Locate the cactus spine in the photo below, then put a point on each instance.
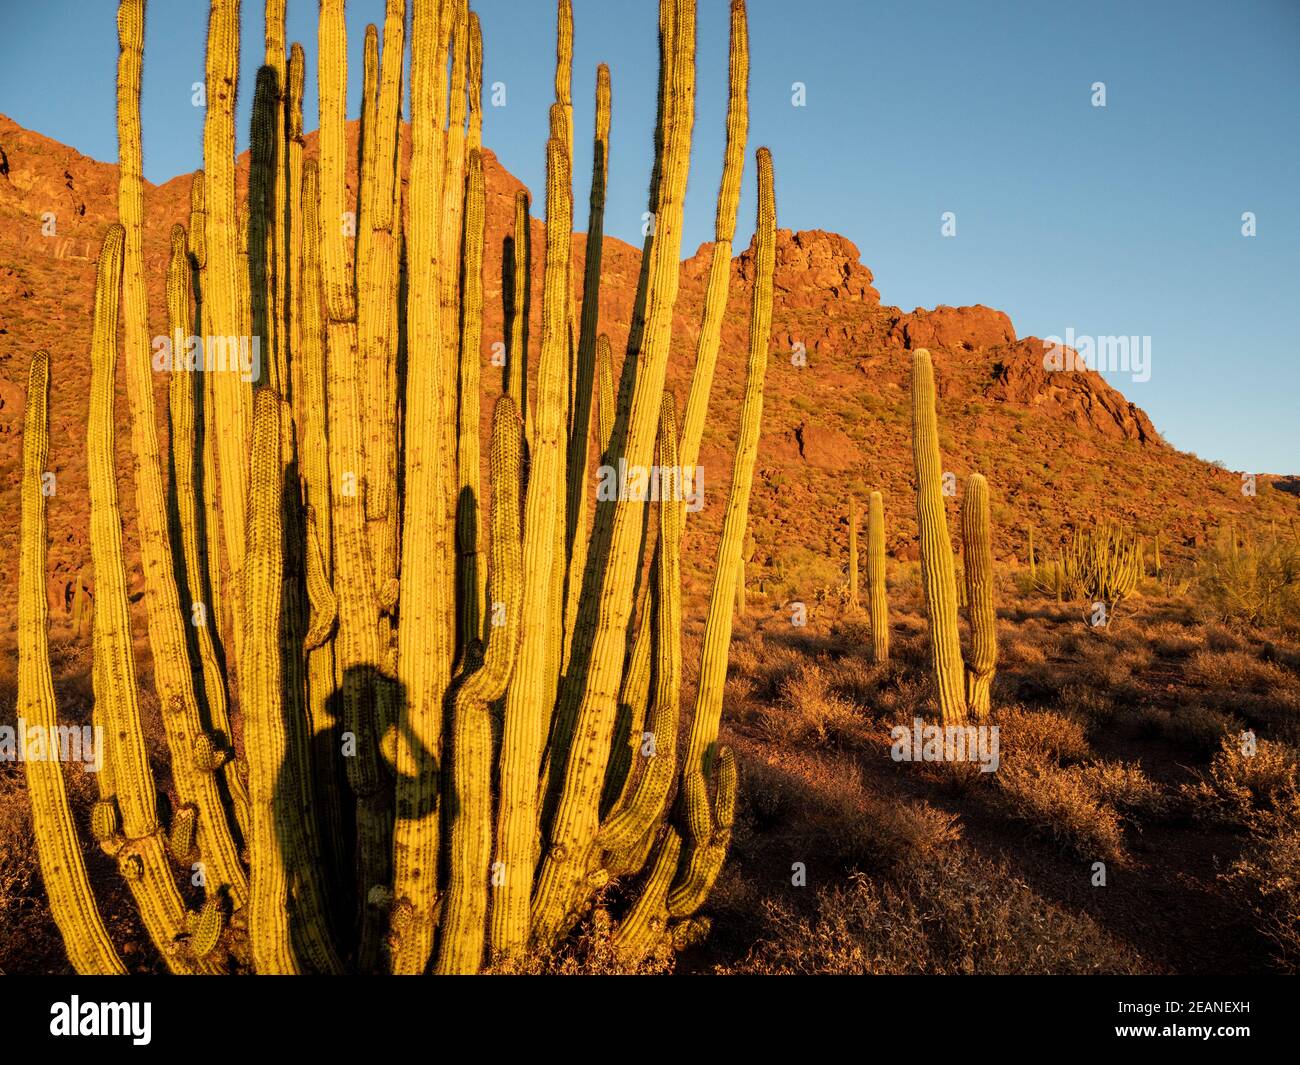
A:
(978, 555)
(877, 594)
(937, 580)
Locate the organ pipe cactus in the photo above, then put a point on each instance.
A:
(66, 884)
(305, 621)
(854, 603)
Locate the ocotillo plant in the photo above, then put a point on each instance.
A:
(311, 626)
(877, 594)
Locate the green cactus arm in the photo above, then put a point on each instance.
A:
(646, 923)
(142, 858)
(464, 914)
(528, 701)
(470, 585)
(719, 283)
(709, 836)
(593, 682)
(188, 482)
(173, 676)
(854, 602)
(978, 554)
(231, 396)
(645, 803)
(939, 585)
(426, 634)
(633, 703)
(275, 832)
(717, 626)
(605, 380)
(579, 445)
(518, 300)
(63, 869)
(877, 587)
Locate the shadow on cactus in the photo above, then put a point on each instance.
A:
(415, 720)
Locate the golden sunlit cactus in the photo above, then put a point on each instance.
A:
(482, 684)
(978, 554)
(854, 603)
(877, 592)
(470, 576)
(62, 868)
(938, 583)
(559, 769)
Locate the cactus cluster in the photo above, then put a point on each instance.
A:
(960, 688)
(409, 727)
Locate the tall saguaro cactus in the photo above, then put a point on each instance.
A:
(978, 554)
(877, 593)
(938, 582)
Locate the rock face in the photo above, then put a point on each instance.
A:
(814, 268)
(1080, 397)
(965, 328)
(836, 406)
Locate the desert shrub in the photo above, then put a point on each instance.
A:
(1040, 734)
(810, 712)
(1126, 787)
(945, 915)
(1257, 581)
(1241, 787)
(1266, 878)
(1197, 726)
(1060, 805)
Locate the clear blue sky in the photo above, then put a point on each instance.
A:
(1123, 220)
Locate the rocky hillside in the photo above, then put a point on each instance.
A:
(1059, 449)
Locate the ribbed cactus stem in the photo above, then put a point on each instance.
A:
(978, 554)
(470, 801)
(877, 591)
(719, 284)
(63, 870)
(592, 683)
(579, 448)
(222, 317)
(173, 677)
(528, 702)
(717, 626)
(517, 304)
(142, 855)
(938, 582)
(470, 575)
(657, 747)
(854, 603)
(426, 633)
(605, 384)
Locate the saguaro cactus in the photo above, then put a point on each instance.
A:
(877, 593)
(979, 594)
(854, 604)
(938, 582)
